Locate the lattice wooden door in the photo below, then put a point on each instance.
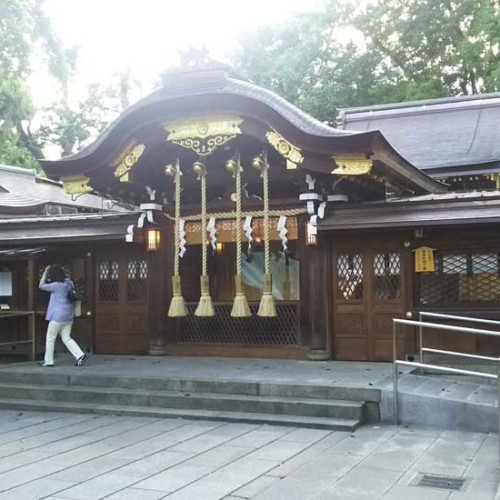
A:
(121, 302)
(368, 291)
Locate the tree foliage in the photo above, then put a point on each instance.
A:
(26, 37)
(71, 126)
(390, 51)
(25, 34)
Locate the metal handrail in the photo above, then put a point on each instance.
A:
(421, 364)
(460, 318)
(447, 369)
(458, 354)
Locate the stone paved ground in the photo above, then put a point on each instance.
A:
(68, 456)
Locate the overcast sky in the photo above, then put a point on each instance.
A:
(144, 36)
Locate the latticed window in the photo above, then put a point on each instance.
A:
(137, 280)
(387, 276)
(461, 279)
(349, 277)
(109, 272)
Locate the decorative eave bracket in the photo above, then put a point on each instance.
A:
(352, 165)
(291, 153)
(123, 169)
(76, 184)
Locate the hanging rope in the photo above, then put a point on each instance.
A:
(266, 307)
(256, 213)
(240, 304)
(177, 305)
(205, 306)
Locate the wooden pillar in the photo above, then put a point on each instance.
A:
(318, 258)
(159, 289)
(32, 283)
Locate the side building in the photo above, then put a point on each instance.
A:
(41, 224)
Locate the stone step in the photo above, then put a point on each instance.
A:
(347, 425)
(249, 388)
(184, 400)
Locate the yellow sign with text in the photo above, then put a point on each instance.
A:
(424, 260)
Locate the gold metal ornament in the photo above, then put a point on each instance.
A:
(259, 164)
(199, 169)
(204, 136)
(125, 166)
(285, 148)
(170, 170)
(232, 166)
(76, 184)
(352, 165)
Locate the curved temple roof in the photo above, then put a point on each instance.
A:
(197, 93)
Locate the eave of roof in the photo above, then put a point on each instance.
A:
(432, 210)
(65, 229)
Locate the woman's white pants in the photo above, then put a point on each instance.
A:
(54, 329)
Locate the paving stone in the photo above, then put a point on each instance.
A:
(279, 450)
(160, 442)
(244, 461)
(261, 436)
(90, 469)
(400, 492)
(477, 490)
(332, 439)
(39, 488)
(306, 435)
(25, 474)
(153, 464)
(39, 429)
(99, 487)
(253, 488)
(175, 477)
(136, 494)
(220, 456)
(364, 441)
(287, 467)
(225, 480)
(361, 483)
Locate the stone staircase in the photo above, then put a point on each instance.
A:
(316, 406)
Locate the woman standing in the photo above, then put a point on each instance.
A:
(60, 314)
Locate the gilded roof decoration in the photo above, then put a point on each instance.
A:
(76, 184)
(285, 149)
(352, 165)
(124, 167)
(204, 136)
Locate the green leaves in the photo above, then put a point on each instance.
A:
(390, 51)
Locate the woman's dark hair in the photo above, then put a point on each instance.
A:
(56, 273)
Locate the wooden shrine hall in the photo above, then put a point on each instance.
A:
(266, 233)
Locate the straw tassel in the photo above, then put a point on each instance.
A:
(177, 305)
(267, 307)
(241, 309)
(205, 305)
